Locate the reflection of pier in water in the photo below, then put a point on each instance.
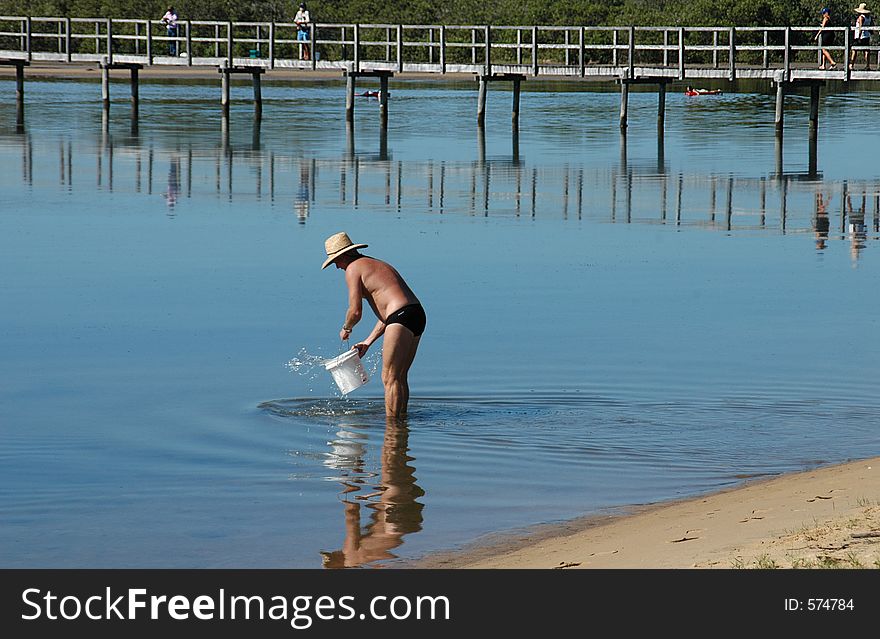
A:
(491, 185)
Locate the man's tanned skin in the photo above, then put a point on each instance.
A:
(386, 292)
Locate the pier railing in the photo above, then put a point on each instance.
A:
(575, 51)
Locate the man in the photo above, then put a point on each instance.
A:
(303, 23)
(862, 34)
(401, 316)
(170, 22)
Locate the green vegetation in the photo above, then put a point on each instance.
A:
(500, 12)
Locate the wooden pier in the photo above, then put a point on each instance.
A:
(785, 56)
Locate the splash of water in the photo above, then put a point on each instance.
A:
(304, 363)
(311, 366)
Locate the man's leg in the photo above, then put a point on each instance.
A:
(398, 351)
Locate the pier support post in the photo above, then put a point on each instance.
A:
(105, 83)
(777, 148)
(133, 68)
(258, 95)
(19, 90)
(226, 72)
(349, 97)
(224, 87)
(484, 80)
(383, 99)
(351, 77)
(780, 106)
(481, 102)
(814, 109)
(661, 106)
(135, 91)
(624, 103)
(514, 115)
(19, 84)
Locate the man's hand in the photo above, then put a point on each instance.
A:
(361, 348)
(344, 334)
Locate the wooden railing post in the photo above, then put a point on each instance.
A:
(28, 38)
(519, 46)
(567, 40)
(442, 48)
(109, 35)
(632, 52)
(847, 45)
(665, 48)
(786, 62)
(149, 42)
(400, 48)
(535, 51)
(314, 51)
(766, 58)
(614, 47)
(488, 56)
(732, 54)
(681, 53)
(581, 57)
(714, 49)
(357, 47)
(68, 38)
(474, 47)
(272, 45)
(189, 44)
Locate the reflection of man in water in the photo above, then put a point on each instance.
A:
(857, 230)
(173, 184)
(302, 195)
(395, 514)
(820, 221)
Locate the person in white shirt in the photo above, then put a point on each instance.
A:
(303, 27)
(170, 22)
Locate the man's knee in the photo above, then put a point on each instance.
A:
(393, 376)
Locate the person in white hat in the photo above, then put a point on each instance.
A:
(401, 318)
(862, 37)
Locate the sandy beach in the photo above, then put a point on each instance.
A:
(823, 518)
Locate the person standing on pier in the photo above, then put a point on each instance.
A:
(303, 27)
(862, 38)
(401, 316)
(825, 37)
(170, 22)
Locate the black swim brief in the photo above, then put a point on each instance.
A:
(412, 316)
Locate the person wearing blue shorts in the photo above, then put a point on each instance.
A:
(303, 29)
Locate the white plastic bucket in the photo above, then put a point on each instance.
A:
(347, 371)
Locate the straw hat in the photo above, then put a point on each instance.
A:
(862, 8)
(336, 245)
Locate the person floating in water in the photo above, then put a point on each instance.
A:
(692, 91)
(401, 316)
(371, 94)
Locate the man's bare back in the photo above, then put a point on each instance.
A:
(380, 284)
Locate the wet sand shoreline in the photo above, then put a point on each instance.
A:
(828, 517)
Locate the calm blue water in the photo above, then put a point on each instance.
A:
(608, 323)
